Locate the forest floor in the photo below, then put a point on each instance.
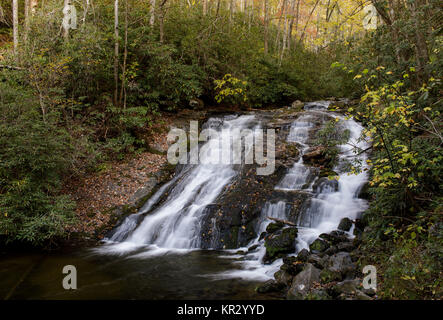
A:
(115, 184)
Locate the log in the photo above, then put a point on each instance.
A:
(2, 66)
(289, 223)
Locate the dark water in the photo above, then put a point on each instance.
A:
(171, 276)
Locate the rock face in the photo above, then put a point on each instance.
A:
(304, 282)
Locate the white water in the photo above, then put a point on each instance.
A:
(176, 224)
(326, 209)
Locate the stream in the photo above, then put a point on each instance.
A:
(176, 246)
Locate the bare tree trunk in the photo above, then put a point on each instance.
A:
(152, 19)
(66, 29)
(205, 7)
(125, 56)
(421, 48)
(307, 22)
(266, 26)
(15, 25)
(116, 52)
(27, 7)
(161, 19)
(279, 23)
(85, 13)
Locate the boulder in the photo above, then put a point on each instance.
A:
(325, 185)
(303, 282)
(298, 105)
(275, 226)
(341, 262)
(345, 246)
(318, 261)
(345, 224)
(283, 277)
(334, 237)
(319, 245)
(328, 275)
(196, 104)
(280, 243)
(315, 156)
(303, 255)
(270, 286)
(346, 287)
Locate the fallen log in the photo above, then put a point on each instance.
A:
(289, 223)
(2, 66)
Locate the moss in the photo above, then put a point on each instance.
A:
(275, 226)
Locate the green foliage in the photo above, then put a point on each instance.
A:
(34, 154)
(331, 136)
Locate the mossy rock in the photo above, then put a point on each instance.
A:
(327, 275)
(326, 172)
(275, 226)
(319, 245)
(280, 243)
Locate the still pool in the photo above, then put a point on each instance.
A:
(167, 276)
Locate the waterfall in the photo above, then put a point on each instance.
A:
(326, 208)
(173, 218)
(176, 223)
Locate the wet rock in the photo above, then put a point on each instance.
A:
(196, 104)
(319, 245)
(326, 172)
(254, 247)
(292, 267)
(303, 282)
(298, 105)
(325, 185)
(275, 226)
(283, 277)
(334, 237)
(345, 224)
(328, 275)
(341, 262)
(345, 246)
(270, 286)
(331, 250)
(346, 287)
(303, 255)
(318, 261)
(280, 243)
(363, 192)
(315, 155)
(318, 294)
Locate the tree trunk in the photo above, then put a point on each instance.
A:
(205, 7)
(66, 29)
(125, 56)
(15, 25)
(152, 19)
(116, 52)
(265, 21)
(26, 31)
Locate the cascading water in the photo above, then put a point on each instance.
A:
(176, 223)
(329, 206)
(326, 208)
